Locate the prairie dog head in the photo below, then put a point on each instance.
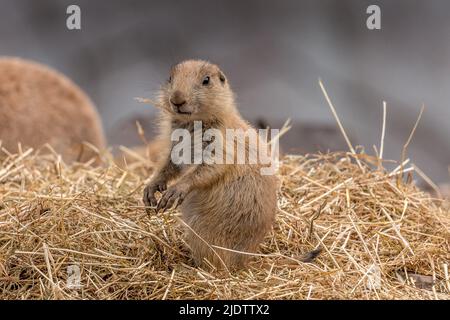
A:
(197, 90)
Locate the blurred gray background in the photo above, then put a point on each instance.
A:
(273, 53)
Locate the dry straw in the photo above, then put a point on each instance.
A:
(381, 239)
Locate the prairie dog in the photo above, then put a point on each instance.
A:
(231, 206)
(39, 105)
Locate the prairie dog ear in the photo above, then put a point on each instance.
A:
(222, 77)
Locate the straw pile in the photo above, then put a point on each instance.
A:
(382, 238)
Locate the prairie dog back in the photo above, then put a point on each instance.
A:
(39, 105)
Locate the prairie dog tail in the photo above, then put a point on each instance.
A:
(308, 257)
(311, 256)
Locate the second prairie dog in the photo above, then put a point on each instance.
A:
(39, 106)
(225, 205)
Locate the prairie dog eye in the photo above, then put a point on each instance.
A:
(221, 77)
(169, 80)
(205, 81)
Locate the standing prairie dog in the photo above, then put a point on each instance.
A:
(39, 106)
(231, 206)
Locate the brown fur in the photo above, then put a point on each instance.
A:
(227, 205)
(39, 106)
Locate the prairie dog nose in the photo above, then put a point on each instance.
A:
(177, 99)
